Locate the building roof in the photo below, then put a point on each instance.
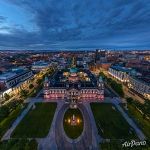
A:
(13, 73)
(57, 80)
(7, 75)
(40, 64)
(143, 79)
(120, 68)
(73, 70)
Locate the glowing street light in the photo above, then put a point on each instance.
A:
(68, 120)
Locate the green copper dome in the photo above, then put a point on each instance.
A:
(73, 70)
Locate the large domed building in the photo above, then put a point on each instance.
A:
(73, 76)
(74, 84)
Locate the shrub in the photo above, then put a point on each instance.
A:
(31, 86)
(6, 96)
(23, 93)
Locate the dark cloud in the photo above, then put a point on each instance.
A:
(76, 23)
(2, 19)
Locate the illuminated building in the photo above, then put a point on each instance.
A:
(13, 80)
(120, 73)
(40, 65)
(74, 84)
(140, 85)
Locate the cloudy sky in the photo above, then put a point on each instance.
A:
(74, 24)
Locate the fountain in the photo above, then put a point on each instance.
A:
(74, 120)
(73, 123)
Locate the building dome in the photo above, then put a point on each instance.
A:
(73, 70)
(100, 79)
(46, 79)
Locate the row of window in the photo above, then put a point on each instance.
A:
(17, 80)
(73, 92)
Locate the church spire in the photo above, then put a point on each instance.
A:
(73, 62)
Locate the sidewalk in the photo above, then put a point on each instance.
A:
(17, 121)
(96, 138)
(49, 142)
(139, 133)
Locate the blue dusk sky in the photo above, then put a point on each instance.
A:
(74, 24)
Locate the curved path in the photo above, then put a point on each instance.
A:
(83, 142)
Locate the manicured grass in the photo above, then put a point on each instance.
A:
(110, 122)
(111, 146)
(7, 122)
(142, 122)
(73, 131)
(37, 122)
(14, 144)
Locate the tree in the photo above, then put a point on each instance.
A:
(23, 93)
(116, 86)
(146, 107)
(6, 96)
(31, 86)
(4, 112)
(129, 100)
(102, 75)
(39, 81)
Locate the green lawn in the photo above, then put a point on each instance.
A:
(6, 123)
(14, 144)
(37, 122)
(73, 131)
(143, 123)
(110, 122)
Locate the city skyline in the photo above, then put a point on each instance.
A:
(74, 100)
(74, 24)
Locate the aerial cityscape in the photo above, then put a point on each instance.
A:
(74, 75)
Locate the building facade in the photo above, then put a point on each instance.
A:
(74, 84)
(120, 73)
(139, 86)
(13, 80)
(40, 65)
(135, 81)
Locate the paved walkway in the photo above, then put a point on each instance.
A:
(111, 100)
(96, 137)
(139, 133)
(31, 101)
(116, 101)
(81, 143)
(49, 142)
(56, 139)
(17, 121)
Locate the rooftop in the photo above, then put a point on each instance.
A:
(7, 75)
(12, 73)
(144, 79)
(40, 63)
(73, 70)
(59, 80)
(120, 68)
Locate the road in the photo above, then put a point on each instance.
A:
(84, 142)
(25, 86)
(49, 142)
(108, 92)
